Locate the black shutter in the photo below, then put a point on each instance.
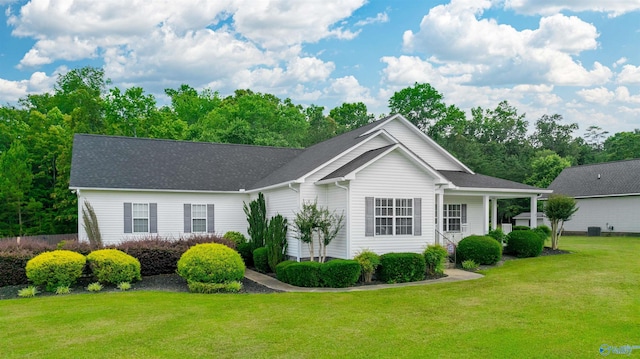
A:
(463, 213)
(210, 219)
(187, 218)
(368, 217)
(153, 218)
(417, 216)
(128, 222)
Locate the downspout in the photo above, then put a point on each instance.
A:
(348, 219)
(299, 254)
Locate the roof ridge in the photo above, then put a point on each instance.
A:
(605, 163)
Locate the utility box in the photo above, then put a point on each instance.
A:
(593, 231)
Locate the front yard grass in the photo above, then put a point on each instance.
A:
(563, 306)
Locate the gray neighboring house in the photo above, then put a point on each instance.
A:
(607, 194)
(398, 189)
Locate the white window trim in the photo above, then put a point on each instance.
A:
(394, 216)
(133, 217)
(193, 218)
(445, 218)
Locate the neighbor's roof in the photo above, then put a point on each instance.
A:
(468, 180)
(601, 179)
(137, 163)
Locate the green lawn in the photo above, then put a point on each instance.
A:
(562, 306)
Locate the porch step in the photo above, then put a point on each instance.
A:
(449, 265)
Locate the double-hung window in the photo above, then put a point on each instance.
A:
(393, 216)
(199, 218)
(140, 215)
(454, 217)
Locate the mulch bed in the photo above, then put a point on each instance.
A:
(161, 282)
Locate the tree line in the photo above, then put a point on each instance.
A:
(36, 136)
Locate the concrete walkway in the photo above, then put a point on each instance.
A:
(453, 275)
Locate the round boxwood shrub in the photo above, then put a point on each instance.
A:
(401, 267)
(480, 249)
(525, 243)
(211, 263)
(544, 231)
(114, 266)
(301, 274)
(261, 260)
(340, 273)
(246, 252)
(55, 269)
(236, 237)
(281, 271)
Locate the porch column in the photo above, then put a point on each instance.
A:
(494, 214)
(533, 222)
(485, 214)
(439, 216)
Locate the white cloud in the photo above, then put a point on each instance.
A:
(348, 89)
(381, 17)
(613, 8)
(498, 54)
(39, 82)
(629, 75)
(598, 95)
(620, 61)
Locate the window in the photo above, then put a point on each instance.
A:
(393, 216)
(454, 217)
(199, 218)
(140, 215)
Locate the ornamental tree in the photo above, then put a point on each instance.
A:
(559, 209)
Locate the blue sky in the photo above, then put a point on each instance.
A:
(577, 58)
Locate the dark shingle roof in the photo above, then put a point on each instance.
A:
(356, 163)
(601, 179)
(316, 155)
(136, 163)
(464, 179)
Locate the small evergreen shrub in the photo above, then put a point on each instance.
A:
(525, 243)
(246, 252)
(498, 235)
(339, 273)
(124, 286)
(94, 287)
(544, 231)
(261, 260)
(303, 274)
(211, 263)
(114, 266)
(275, 240)
(235, 237)
(63, 289)
(208, 288)
(56, 268)
(369, 261)
(28, 292)
(281, 271)
(480, 249)
(435, 257)
(401, 267)
(469, 265)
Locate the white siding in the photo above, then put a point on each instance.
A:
(109, 208)
(393, 176)
(421, 147)
(623, 213)
(337, 201)
(286, 202)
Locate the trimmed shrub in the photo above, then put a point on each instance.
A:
(303, 274)
(211, 263)
(281, 271)
(246, 252)
(208, 288)
(369, 261)
(544, 231)
(261, 259)
(401, 267)
(160, 256)
(113, 266)
(498, 235)
(56, 268)
(525, 243)
(14, 258)
(339, 273)
(520, 228)
(435, 257)
(236, 237)
(480, 249)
